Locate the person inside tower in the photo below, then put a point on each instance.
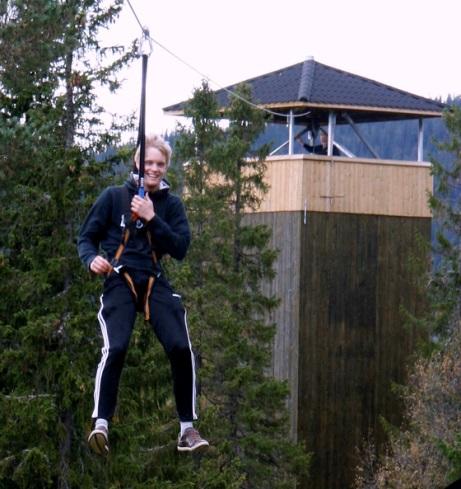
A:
(320, 149)
(134, 233)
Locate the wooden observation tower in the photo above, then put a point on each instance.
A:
(347, 228)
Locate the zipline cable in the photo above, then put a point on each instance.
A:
(135, 15)
(206, 77)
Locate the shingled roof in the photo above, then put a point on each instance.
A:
(311, 85)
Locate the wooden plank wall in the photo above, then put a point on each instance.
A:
(286, 238)
(354, 279)
(358, 186)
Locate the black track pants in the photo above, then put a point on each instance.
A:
(168, 320)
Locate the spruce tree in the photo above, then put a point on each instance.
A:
(445, 284)
(50, 133)
(243, 408)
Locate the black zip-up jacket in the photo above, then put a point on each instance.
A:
(103, 227)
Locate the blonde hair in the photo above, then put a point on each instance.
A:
(156, 141)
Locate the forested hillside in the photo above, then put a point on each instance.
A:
(391, 140)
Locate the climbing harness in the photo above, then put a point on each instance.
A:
(134, 221)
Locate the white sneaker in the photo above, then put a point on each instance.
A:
(99, 440)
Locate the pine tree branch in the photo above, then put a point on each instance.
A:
(30, 397)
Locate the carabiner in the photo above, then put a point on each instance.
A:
(145, 43)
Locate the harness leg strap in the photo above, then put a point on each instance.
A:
(150, 284)
(130, 284)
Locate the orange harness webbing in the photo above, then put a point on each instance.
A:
(126, 275)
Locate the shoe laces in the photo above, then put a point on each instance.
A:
(192, 435)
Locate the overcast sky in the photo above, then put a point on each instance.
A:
(409, 44)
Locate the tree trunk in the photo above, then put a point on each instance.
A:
(69, 119)
(64, 451)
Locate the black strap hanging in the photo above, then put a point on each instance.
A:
(142, 118)
(142, 127)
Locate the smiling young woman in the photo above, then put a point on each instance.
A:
(135, 282)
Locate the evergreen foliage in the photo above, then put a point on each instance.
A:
(49, 133)
(244, 408)
(445, 285)
(51, 142)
